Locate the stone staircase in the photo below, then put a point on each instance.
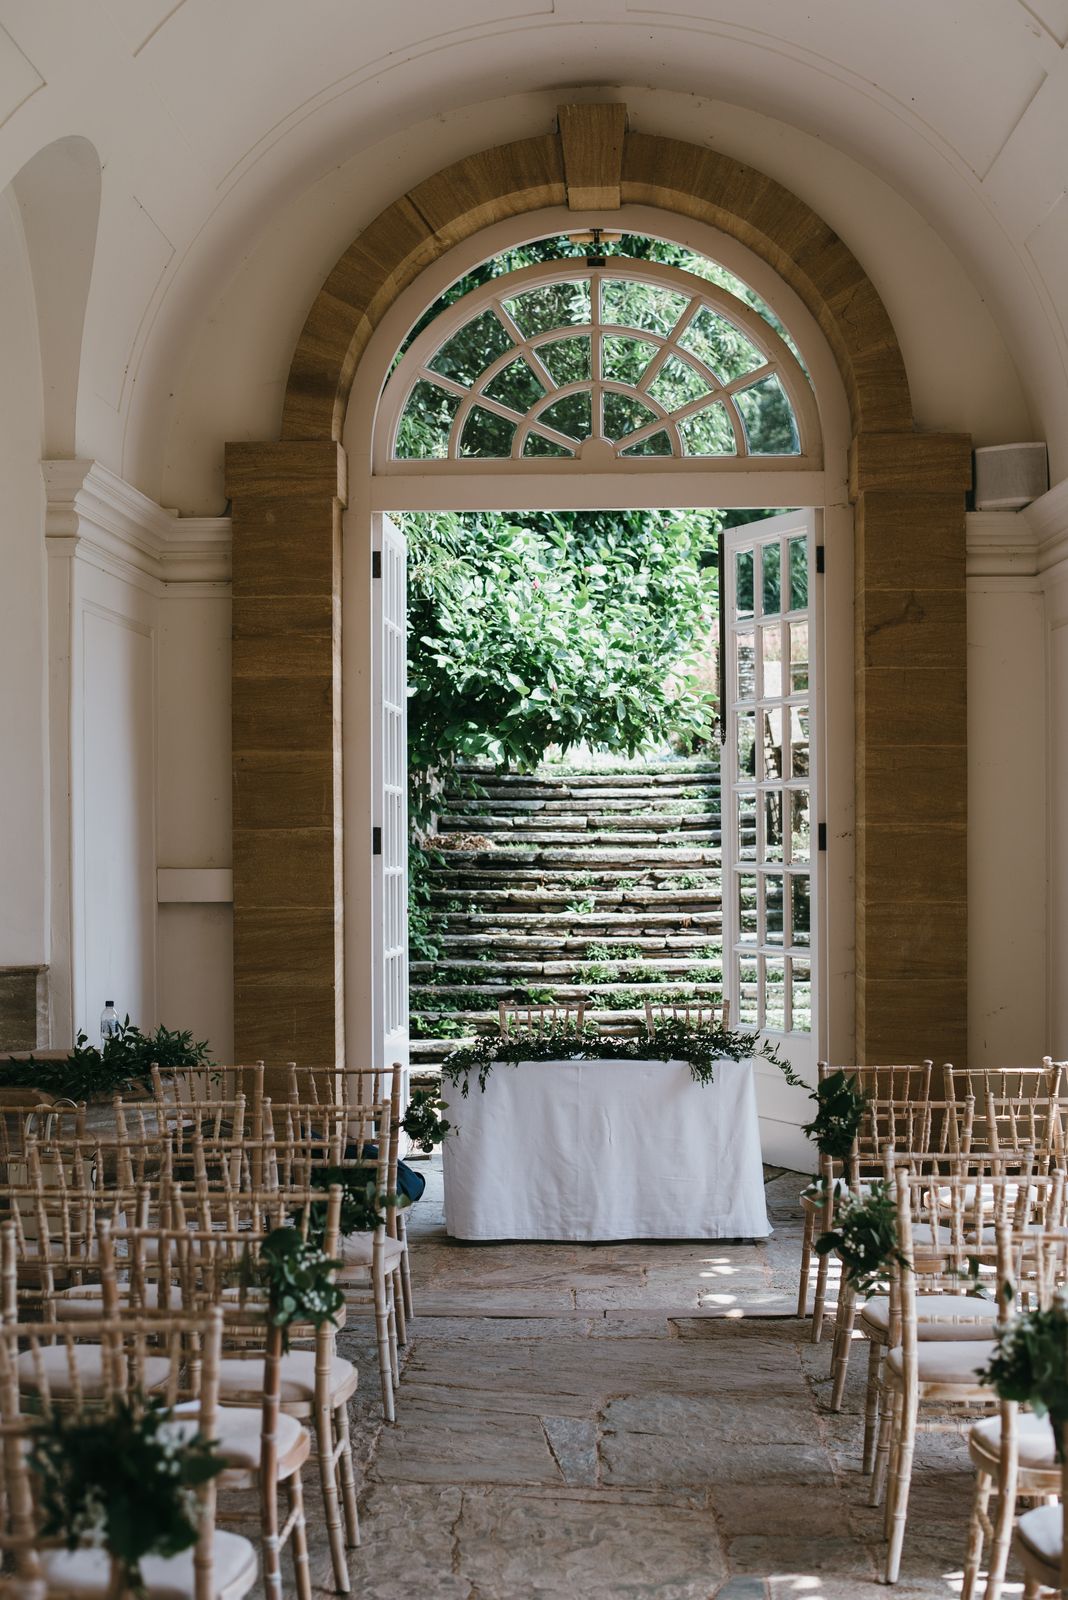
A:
(570, 882)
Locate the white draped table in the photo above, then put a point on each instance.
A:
(604, 1150)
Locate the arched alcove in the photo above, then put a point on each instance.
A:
(908, 493)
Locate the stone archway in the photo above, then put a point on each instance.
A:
(908, 491)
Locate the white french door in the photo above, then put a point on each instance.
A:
(389, 837)
(771, 805)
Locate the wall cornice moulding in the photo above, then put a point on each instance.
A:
(92, 511)
(1031, 544)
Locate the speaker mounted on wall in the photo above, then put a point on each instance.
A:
(1009, 476)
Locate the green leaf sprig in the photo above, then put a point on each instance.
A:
(671, 1040)
(1030, 1364)
(299, 1281)
(422, 1121)
(865, 1237)
(363, 1206)
(121, 1479)
(840, 1108)
(127, 1058)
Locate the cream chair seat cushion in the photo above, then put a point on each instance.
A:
(1034, 1442)
(55, 1360)
(356, 1250)
(975, 1317)
(237, 1432)
(87, 1573)
(1041, 1532)
(944, 1361)
(242, 1379)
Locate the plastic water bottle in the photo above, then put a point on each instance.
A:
(109, 1022)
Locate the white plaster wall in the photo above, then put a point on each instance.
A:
(228, 382)
(194, 805)
(23, 724)
(1007, 890)
(1057, 648)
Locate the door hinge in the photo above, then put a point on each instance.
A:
(376, 841)
(821, 836)
(376, 564)
(820, 559)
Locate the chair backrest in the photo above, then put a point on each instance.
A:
(521, 1016)
(57, 1371)
(909, 1081)
(696, 1013)
(34, 1118)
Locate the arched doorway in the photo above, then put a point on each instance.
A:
(908, 493)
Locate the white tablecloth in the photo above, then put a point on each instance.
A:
(604, 1150)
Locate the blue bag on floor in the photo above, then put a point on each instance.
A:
(410, 1183)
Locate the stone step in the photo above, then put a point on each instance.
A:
(587, 840)
(664, 958)
(561, 855)
(509, 806)
(654, 776)
(668, 934)
(539, 826)
(526, 902)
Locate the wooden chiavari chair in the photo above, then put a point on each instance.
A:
(1014, 1451)
(46, 1361)
(941, 1235)
(897, 1084)
(695, 1013)
(1015, 1089)
(1042, 1540)
(523, 1016)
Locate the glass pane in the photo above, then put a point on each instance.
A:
(747, 906)
(570, 414)
(798, 574)
(801, 997)
(771, 646)
(677, 383)
(641, 305)
(775, 994)
(657, 444)
(721, 345)
(486, 434)
(800, 825)
(567, 359)
(772, 722)
(557, 305)
(771, 588)
(468, 353)
(743, 583)
(769, 420)
(624, 360)
(772, 883)
(747, 825)
(798, 657)
(799, 741)
(773, 841)
(516, 386)
(708, 433)
(623, 414)
(800, 909)
(424, 426)
(748, 993)
(537, 445)
(745, 646)
(746, 723)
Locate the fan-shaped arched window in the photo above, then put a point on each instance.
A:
(631, 360)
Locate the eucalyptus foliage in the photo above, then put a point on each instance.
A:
(841, 1104)
(128, 1056)
(673, 1040)
(1030, 1364)
(864, 1237)
(423, 1122)
(120, 1479)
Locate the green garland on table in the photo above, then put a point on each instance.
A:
(121, 1479)
(127, 1057)
(701, 1045)
(1030, 1364)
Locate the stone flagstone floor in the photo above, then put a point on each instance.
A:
(634, 1420)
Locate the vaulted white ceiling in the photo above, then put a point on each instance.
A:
(213, 118)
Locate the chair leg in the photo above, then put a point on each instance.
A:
(299, 1537)
(406, 1281)
(1032, 1589)
(348, 1477)
(385, 1365)
(324, 1443)
(882, 1454)
(902, 1481)
(973, 1554)
(394, 1355)
(806, 1261)
(820, 1302)
(398, 1307)
(272, 1552)
(876, 1355)
(1001, 1539)
(843, 1338)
